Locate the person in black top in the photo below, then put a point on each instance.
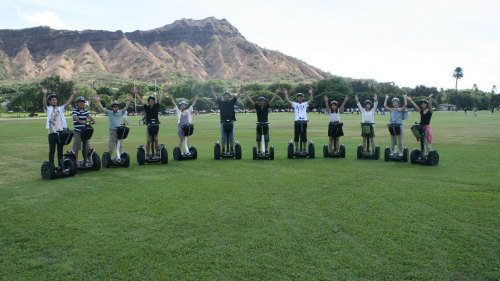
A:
(226, 107)
(262, 110)
(425, 110)
(151, 110)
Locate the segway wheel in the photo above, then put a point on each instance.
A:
(106, 160)
(177, 153)
(164, 156)
(311, 150)
(48, 171)
(377, 152)
(271, 152)
(325, 151)
(141, 157)
(360, 151)
(405, 154)
(96, 160)
(194, 152)
(71, 164)
(125, 159)
(217, 151)
(237, 151)
(387, 151)
(432, 158)
(342, 151)
(290, 150)
(254, 154)
(414, 155)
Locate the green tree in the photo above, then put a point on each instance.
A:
(458, 73)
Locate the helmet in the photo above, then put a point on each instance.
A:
(115, 103)
(151, 98)
(395, 99)
(182, 102)
(80, 98)
(262, 98)
(334, 102)
(424, 101)
(367, 102)
(300, 95)
(226, 93)
(51, 96)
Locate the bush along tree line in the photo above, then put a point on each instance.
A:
(27, 97)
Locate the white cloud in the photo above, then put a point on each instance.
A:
(45, 18)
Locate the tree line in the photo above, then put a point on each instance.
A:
(27, 96)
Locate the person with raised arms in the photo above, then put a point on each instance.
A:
(262, 110)
(56, 123)
(115, 116)
(151, 109)
(300, 109)
(227, 114)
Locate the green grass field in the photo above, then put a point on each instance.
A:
(299, 219)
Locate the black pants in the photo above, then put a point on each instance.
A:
(53, 142)
(298, 131)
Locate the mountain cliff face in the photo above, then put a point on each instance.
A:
(201, 49)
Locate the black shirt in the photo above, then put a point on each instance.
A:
(151, 112)
(226, 109)
(425, 119)
(262, 113)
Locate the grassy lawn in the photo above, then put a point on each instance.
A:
(300, 219)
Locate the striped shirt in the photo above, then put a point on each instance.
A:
(82, 115)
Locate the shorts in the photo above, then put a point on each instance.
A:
(112, 141)
(266, 132)
(298, 133)
(148, 135)
(335, 130)
(77, 141)
(224, 137)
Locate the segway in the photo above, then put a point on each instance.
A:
(49, 171)
(395, 130)
(366, 131)
(121, 159)
(156, 156)
(417, 156)
(263, 154)
(236, 153)
(95, 160)
(190, 153)
(302, 153)
(335, 126)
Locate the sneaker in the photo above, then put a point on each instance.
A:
(267, 152)
(297, 151)
(88, 164)
(223, 151)
(232, 151)
(400, 154)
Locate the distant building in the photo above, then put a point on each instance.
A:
(447, 107)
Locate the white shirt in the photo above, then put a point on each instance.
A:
(49, 111)
(300, 110)
(179, 112)
(367, 116)
(334, 117)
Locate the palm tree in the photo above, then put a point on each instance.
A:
(494, 89)
(457, 74)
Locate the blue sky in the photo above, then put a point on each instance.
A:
(406, 42)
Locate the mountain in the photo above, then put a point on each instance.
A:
(202, 49)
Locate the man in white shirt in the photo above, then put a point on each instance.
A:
(300, 109)
(56, 122)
